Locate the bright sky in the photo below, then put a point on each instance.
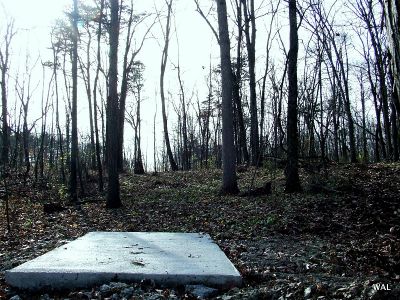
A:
(34, 13)
(33, 21)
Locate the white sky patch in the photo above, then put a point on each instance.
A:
(32, 14)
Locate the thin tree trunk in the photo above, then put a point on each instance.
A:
(60, 137)
(96, 79)
(4, 68)
(25, 138)
(395, 133)
(185, 152)
(74, 112)
(87, 79)
(154, 140)
(164, 58)
(236, 90)
(364, 126)
(321, 107)
(251, 51)
(138, 164)
(335, 117)
(347, 106)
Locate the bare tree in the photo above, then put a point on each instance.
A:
(183, 103)
(154, 138)
(229, 182)
(45, 105)
(128, 64)
(24, 92)
(250, 33)
(335, 46)
(113, 193)
(74, 111)
(243, 153)
(364, 125)
(4, 69)
(85, 68)
(95, 93)
(270, 37)
(164, 58)
(56, 48)
(365, 11)
(292, 172)
(133, 117)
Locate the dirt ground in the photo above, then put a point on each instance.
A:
(338, 239)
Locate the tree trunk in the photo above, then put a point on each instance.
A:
(335, 117)
(4, 68)
(99, 165)
(347, 106)
(138, 164)
(164, 58)
(321, 107)
(58, 127)
(154, 141)
(392, 13)
(229, 184)
(5, 138)
(378, 131)
(364, 126)
(87, 78)
(113, 193)
(185, 152)
(395, 134)
(236, 91)
(373, 29)
(251, 51)
(74, 129)
(292, 172)
(25, 138)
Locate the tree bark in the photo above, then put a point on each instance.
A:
(392, 13)
(113, 192)
(229, 184)
(292, 172)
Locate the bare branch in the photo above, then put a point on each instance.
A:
(200, 11)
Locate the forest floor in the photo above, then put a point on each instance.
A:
(339, 239)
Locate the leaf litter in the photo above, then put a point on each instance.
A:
(336, 240)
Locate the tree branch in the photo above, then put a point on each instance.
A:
(200, 11)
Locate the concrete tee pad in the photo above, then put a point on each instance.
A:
(169, 259)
